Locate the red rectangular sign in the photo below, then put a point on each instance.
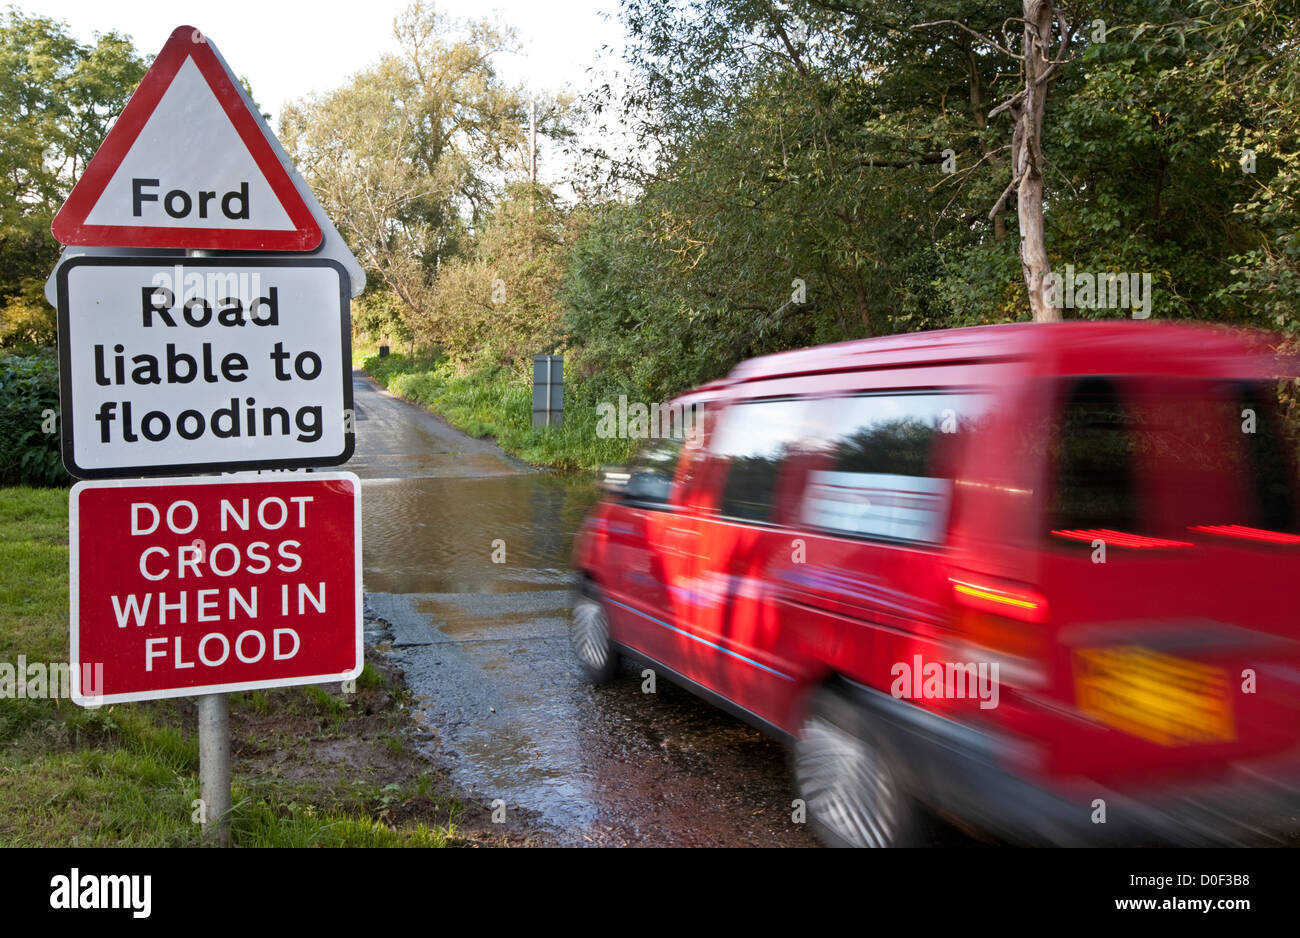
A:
(209, 585)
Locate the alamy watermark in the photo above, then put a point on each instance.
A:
(1103, 290)
(638, 421)
(76, 890)
(40, 680)
(240, 292)
(951, 680)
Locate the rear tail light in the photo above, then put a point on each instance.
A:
(1016, 602)
(1005, 623)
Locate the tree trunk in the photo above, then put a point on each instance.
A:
(1027, 159)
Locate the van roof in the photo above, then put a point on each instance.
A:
(1078, 346)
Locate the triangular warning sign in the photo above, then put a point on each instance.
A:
(187, 166)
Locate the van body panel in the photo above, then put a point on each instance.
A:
(1085, 506)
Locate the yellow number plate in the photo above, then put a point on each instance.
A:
(1168, 701)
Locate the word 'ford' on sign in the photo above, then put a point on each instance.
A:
(179, 365)
(210, 585)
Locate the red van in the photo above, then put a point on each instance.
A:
(1038, 579)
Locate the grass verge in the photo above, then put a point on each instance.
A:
(498, 404)
(312, 766)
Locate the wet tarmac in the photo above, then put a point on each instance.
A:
(484, 646)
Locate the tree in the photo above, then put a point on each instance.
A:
(58, 97)
(1037, 64)
(797, 191)
(1249, 77)
(497, 305)
(831, 143)
(409, 156)
(802, 141)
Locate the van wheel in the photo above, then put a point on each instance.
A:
(589, 636)
(848, 779)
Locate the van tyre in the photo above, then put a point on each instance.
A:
(589, 637)
(848, 778)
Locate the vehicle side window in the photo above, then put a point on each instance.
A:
(754, 439)
(650, 476)
(1094, 454)
(889, 463)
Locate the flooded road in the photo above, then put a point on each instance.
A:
(484, 647)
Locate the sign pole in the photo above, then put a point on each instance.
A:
(214, 767)
(214, 752)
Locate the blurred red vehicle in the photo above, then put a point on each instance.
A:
(1037, 578)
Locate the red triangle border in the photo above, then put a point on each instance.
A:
(69, 226)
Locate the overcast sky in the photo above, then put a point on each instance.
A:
(290, 49)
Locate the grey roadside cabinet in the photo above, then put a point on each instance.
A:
(548, 390)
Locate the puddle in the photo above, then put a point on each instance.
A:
(439, 535)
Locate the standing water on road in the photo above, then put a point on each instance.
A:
(484, 646)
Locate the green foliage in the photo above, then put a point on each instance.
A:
(27, 320)
(1250, 79)
(380, 315)
(408, 158)
(29, 431)
(371, 677)
(498, 403)
(57, 96)
(33, 579)
(293, 824)
(630, 330)
(1140, 171)
(497, 304)
(804, 141)
(787, 187)
(797, 196)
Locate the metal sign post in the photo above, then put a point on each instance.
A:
(214, 767)
(214, 753)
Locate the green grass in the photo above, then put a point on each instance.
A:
(294, 826)
(33, 574)
(498, 404)
(370, 677)
(127, 774)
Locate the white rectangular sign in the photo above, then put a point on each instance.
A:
(877, 504)
(183, 365)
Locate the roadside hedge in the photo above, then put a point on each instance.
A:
(29, 428)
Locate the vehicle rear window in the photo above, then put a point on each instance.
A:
(1093, 453)
(1171, 459)
(754, 438)
(1269, 441)
(890, 463)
